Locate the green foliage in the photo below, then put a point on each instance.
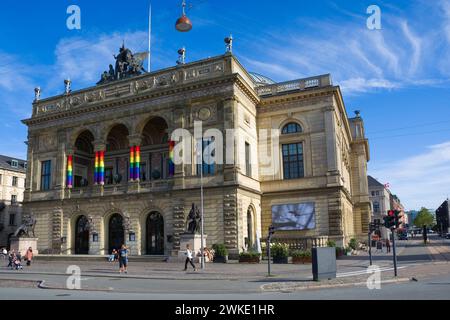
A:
(279, 250)
(353, 244)
(331, 243)
(424, 217)
(220, 250)
(301, 254)
(249, 254)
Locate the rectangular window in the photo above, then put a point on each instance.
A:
(12, 219)
(293, 161)
(376, 207)
(14, 163)
(373, 193)
(208, 166)
(46, 175)
(109, 175)
(143, 169)
(13, 199)
(14, 181)
(248, 166)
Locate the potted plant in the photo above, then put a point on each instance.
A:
(220, 253)
(249, 257)
(279, 252)
(331, 243)
(301, 256)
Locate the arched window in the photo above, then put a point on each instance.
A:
(291, 127)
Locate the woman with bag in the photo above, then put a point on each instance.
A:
(29, 256)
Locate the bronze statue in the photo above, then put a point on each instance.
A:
(127, 65)
(26, 228)
(193, 221)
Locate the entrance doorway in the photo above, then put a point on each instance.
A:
(155, 234)
(116, 232)
(82, 235)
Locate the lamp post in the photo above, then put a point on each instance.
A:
(200, 150)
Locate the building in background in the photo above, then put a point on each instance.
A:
(89, 193)
(380, 199)
(12, 187)
(396, 204)
(443, 217)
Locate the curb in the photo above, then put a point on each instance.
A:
(328, 286)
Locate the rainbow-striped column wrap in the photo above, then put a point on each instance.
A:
(132, 163)
(101, 169)
(171, 158)
(96, 167)
(137, 163)
(69, 171)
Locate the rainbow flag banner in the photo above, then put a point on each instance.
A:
(132, 163)
(70, 171)
(96, 167)
(171, 158)
(137, 163)
(101, 169)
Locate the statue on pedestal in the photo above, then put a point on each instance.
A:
(194, 219)
(26, 229)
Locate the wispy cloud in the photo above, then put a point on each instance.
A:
(402, 54)
(421, 180)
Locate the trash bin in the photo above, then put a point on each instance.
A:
(324, 263)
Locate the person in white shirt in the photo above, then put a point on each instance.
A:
(189, 258)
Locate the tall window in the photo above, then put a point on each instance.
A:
(14, 163)
(14, 181)
(376, 207)
(46, 175)
(291, 127)
(13, 199)
(248, 166)
(209, 167)
(12, 219)
(293, 161)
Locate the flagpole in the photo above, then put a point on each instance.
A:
(149, 37)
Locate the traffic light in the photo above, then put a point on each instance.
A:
(271, 231)
(389, 220)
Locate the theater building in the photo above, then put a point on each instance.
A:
(100, 172)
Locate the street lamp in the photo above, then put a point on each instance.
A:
(200, 153)
(183, 24)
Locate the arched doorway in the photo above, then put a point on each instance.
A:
(116, 232)
(250, 228)
(82, 235)
(155, 234)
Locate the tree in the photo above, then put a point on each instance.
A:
(424, 217)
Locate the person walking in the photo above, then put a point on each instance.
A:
(123, 259)
(388, 245)
(11, 257)
(29, 256)
(189, 258)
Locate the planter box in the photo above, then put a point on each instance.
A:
(301, 260)
(220, 259)
(249, 260)
(282, 260)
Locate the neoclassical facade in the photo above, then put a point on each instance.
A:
(101, 168)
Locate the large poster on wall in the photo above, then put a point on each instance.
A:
(297, 216)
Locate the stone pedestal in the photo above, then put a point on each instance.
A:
(22, 244)
(195, 242)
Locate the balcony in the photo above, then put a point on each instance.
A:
(295, 85)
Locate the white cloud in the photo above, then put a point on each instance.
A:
(421, 180)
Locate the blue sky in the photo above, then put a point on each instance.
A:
(399, 76)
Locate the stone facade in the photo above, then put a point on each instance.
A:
(12, 187)
(144, 111)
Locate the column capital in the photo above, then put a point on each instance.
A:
(135, 140)
(99, 145)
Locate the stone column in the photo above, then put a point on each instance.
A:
(230, 167)
(230, 221)
(31, 169)
(330, 134)
(61, 164)
(178, 224)
(57, 228)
